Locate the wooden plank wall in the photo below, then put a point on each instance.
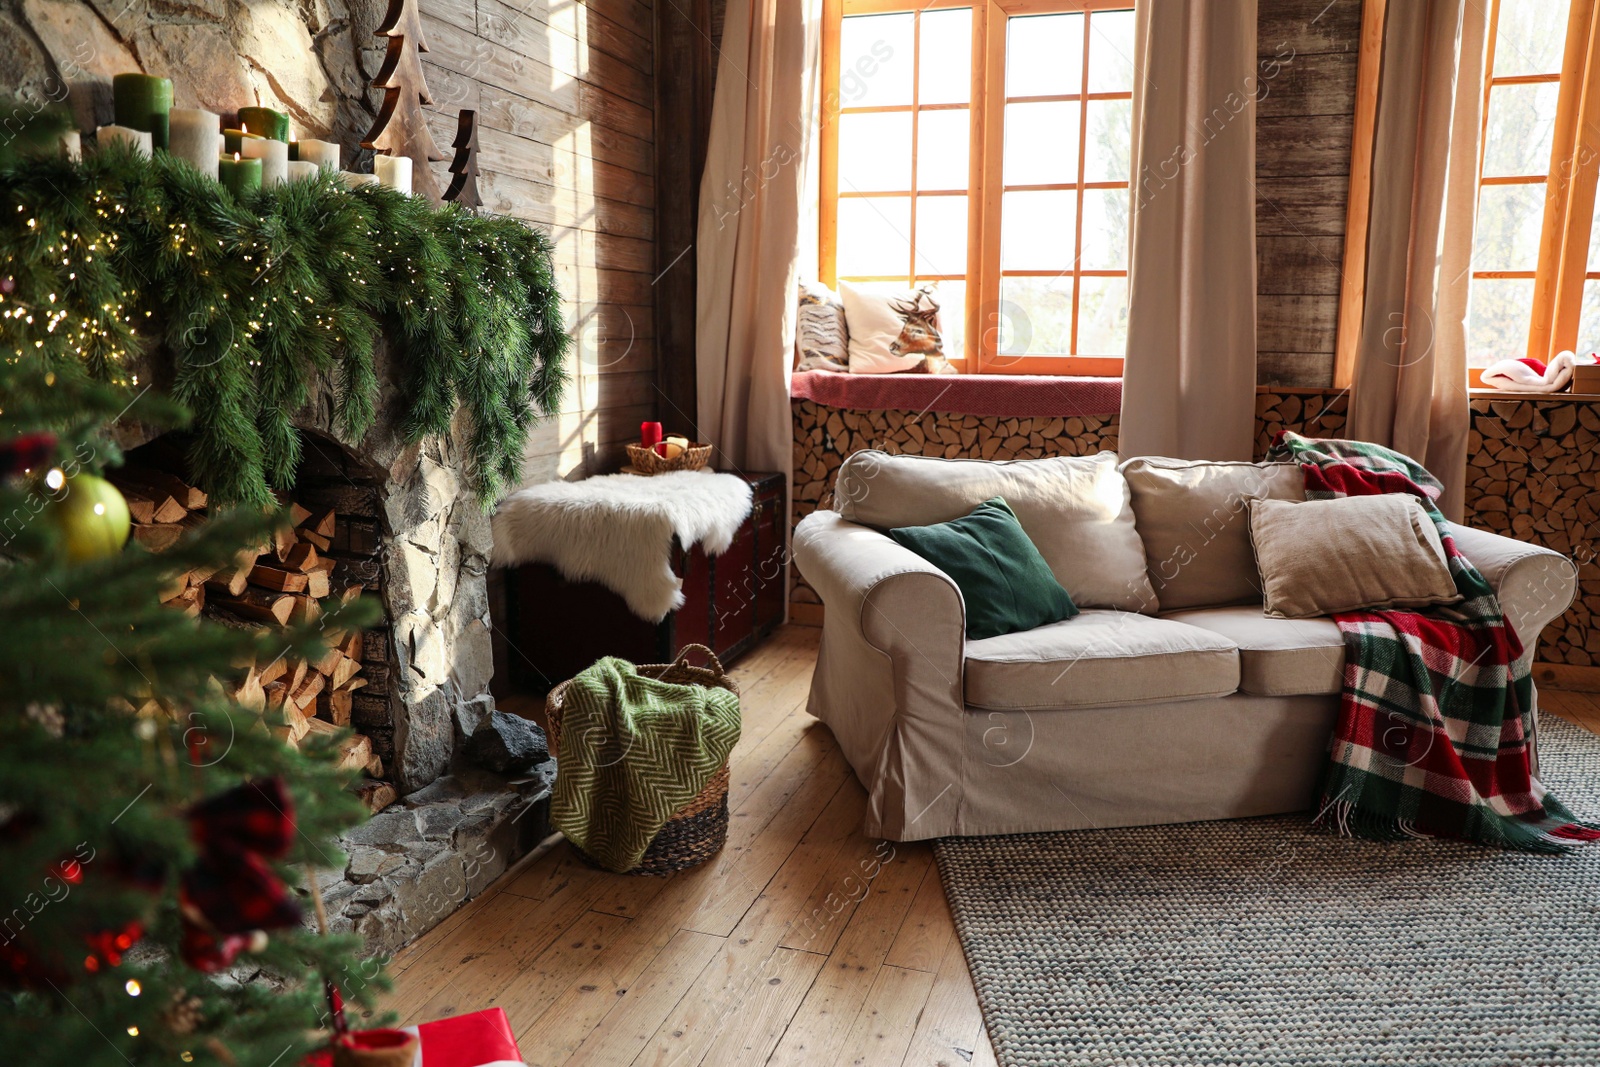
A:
(1304, 113)
(565, 97)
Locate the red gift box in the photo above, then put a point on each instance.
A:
(480, 1039)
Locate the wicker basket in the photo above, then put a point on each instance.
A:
(648, 461)
(700, 828)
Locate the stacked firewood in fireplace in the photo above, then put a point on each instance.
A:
(284, 582)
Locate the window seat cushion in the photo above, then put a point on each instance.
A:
(1005, 395)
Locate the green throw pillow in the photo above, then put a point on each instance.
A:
(1006, 583)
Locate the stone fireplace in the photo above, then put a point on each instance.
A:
(411, 532)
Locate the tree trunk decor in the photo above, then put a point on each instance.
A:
(401, 128)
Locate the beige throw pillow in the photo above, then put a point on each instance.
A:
(1193, 519)
(891, 332)
(1073, 508)
(1319, 557)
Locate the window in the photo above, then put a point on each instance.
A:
(985, 149)
(1535, 276)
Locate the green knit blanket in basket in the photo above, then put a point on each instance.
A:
(634, 751)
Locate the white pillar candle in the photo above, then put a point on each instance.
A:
(274, 156)
(299, 169)
(196, 138)
(72, 145)
(139, 139)
(352, 180)
(322, 153)
(393, 171)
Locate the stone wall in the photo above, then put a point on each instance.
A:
(1532, 474)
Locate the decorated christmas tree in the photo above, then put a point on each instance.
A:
(156, 839)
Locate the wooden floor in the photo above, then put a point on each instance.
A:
(803, 942)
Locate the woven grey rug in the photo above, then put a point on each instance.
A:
(1260, 942)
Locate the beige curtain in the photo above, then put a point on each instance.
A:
(1410, 378)
(752, 200)
(1188, 387)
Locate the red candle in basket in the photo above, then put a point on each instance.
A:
(649, 434)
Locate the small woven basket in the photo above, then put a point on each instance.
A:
(648, 461)
(699, 829)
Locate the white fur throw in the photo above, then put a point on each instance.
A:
(617, 529)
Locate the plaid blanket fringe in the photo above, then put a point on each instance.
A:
(1432, 738)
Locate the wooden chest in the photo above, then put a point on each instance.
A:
(555, 628)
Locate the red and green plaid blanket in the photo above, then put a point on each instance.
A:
(1434, 724)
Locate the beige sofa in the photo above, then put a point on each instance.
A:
(1171, 698)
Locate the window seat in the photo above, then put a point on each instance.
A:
(1000, 395)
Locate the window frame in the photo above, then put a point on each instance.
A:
(986, 109)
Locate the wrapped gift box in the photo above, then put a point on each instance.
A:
(479, 1039)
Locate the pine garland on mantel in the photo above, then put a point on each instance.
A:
(245, 307)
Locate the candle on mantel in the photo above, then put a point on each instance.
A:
(299, 169)
(196, 139)
(72, 146)
(352, 180)
(143, 103)
(232, 139)
(274, 156)
(138, 140)
(241, 177)
(322, 153)
(265, 122)
(393, 171)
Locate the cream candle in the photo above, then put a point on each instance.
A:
(322, 153)
(196, 138)
(232, 139)
(241, 176)
(299, 169)
(72, 145)
(138, 140)
(352, 180)
(393, 171)
(274, 156)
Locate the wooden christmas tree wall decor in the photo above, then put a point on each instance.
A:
(401, 128)
(464, 186)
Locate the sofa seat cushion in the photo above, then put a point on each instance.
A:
(1099, 659)
(1277, 657)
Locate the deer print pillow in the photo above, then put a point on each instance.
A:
(893, 332)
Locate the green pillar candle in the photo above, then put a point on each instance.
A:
(232, 139)
(143, 103)
(241, 177)
(265, 122)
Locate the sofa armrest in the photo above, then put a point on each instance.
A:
(1535, 585)
(860, 573)
(888, 680)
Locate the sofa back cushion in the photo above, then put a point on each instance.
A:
(1075, 509)
(1193, 520)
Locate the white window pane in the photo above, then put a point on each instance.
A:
(1035, 317)
(1509, 220)
(875, 152)
(1036, 230)
(1497, 319)
(875, 60)
(945, 72)
(1103, 317)
(1041, 144)
(952, 316)
(1105, 229)
(1109, 142)
(941, 235)
(944, 144)
(1111, 52)
(1589, 320)
(874, 236)
(1044, 55)
(1520, 128)
(1529, 37)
